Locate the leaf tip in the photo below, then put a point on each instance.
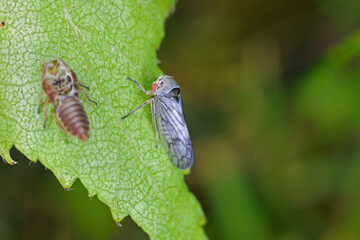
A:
(5, 155)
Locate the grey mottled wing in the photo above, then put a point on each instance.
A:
(173, 131)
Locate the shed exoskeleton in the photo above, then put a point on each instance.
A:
(62, 88)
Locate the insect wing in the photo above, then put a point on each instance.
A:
(173, 131)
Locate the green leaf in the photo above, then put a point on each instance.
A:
(104, 42)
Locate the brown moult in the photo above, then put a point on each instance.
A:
(62, 88)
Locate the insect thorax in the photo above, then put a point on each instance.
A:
(164, 84)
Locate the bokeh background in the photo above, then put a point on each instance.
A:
(271, 91)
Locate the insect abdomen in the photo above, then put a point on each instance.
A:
(73, 116)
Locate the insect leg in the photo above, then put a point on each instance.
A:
(154, 120)
(41, 100)
(82, 85)
(146, 102)
(59, 124)
(141, 87)
(87, 96)
(45, 111)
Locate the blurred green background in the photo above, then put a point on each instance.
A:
(271, 94)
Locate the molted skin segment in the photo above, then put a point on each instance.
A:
(59, 81)
(72, 115)
(62, 88)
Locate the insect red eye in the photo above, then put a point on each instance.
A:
(154, 87)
